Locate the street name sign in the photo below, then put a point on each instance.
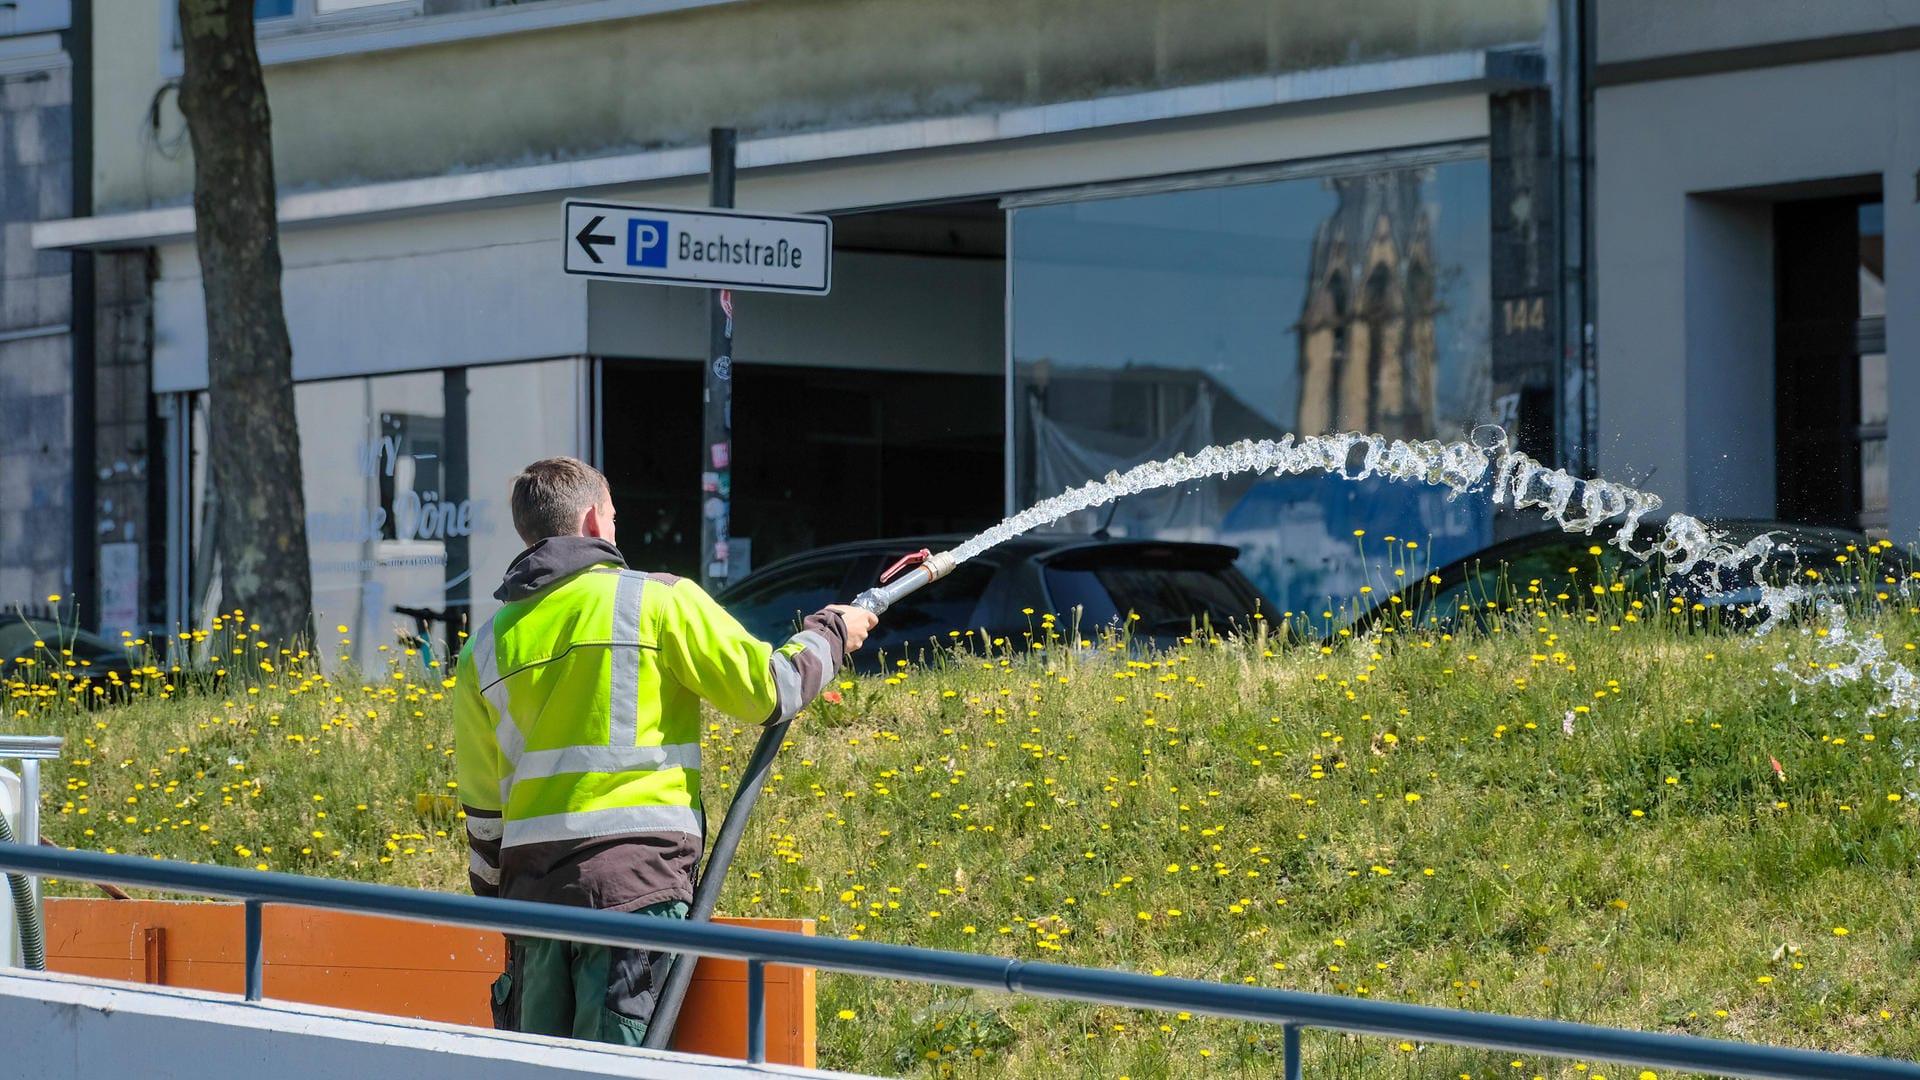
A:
(708, 248)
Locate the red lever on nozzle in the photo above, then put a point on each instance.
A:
(910, 559)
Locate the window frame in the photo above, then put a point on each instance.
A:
(402, 24)
(307, 17)
(29, 18)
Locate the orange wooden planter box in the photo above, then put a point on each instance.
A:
(390, 966)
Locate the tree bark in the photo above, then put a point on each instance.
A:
(254, 442)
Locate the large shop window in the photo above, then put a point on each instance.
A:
(407, 517)
(1147, 325)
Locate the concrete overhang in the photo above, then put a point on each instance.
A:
(1490, 70)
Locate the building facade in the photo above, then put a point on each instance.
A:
(36, 306)
(1755, 177)
(1069, 237)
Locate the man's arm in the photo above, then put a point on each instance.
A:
(480, 767)
(713, 655)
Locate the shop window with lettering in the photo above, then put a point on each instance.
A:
(406, 478)
(413, 491)
(390, 522)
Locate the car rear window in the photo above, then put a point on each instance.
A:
(1168, 593)
(17, 638)
(16, 642)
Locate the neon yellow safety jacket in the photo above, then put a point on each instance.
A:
(577, 723)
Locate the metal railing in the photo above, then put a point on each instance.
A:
(30, 751)
(1293, 1010)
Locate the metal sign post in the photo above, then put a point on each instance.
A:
(716, 424)
(722, 250)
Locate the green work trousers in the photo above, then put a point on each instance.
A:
(582, 991)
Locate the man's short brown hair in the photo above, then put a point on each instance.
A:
(549, 496)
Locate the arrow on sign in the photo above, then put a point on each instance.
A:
(587, 238)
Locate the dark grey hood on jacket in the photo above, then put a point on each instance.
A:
(551, 560)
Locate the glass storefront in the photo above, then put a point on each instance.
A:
(1145, 325)
(1140, 324)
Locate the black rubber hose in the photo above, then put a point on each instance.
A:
(33, 941)
(666, 1008)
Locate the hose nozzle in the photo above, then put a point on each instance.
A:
(926, 570)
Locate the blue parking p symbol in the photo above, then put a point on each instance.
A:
(646, 242)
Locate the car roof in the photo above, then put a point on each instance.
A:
(1025, 545)
(19, 632)
(1736, 530)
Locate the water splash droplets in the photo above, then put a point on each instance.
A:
(1486, 457)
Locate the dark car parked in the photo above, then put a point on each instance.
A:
(93, 656)
(1560, 569)
(1169, 585)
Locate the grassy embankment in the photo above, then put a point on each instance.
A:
(1575, 817)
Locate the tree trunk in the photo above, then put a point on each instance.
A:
(254, 442)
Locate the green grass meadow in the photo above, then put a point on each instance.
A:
(1603, 815)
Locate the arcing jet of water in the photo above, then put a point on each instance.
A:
(1571, 503)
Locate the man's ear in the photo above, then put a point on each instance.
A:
(591, 523)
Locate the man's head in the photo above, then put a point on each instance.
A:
(561, 496)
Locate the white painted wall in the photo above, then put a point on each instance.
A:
(60, 1027)
(607, 86)
(1684, 315)
(1729, 374)
(1640, 29)
(887, 312)
(433, 289)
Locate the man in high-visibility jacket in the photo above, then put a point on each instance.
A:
(577, 717)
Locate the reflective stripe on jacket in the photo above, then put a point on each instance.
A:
(577, 717)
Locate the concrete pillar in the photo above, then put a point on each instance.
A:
(1525, 333)
(128, 516)
(36, 349)
(1900, 188)
(1728, 288)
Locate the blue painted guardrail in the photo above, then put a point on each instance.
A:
(1293, 1010)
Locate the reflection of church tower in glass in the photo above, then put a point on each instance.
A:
(1367, 343)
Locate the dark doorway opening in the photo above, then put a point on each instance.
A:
(821, 455)
(1830, 363)
(825, 455)
(650, 441)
